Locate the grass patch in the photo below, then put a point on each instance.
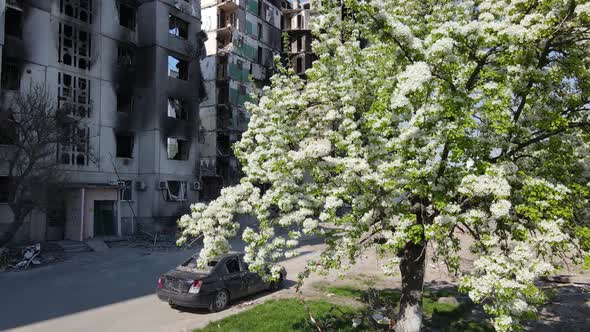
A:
(445, 316)
(586, 264)
(287, 315)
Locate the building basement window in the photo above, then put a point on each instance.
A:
(10, 75)
(13, 22)
(177, 109)
(177, 149)
(177, 68)
(177, 27)
(127, 16)
(124, 143)
(126, 190)
(4, 190)
(176, 191)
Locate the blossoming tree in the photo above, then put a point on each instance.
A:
(420, 121)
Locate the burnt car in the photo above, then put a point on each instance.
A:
(224, 279)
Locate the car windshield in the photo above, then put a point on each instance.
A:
(191, 265)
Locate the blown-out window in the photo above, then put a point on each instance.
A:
(177, 148)
(177, 109)
(176, 191)
(124, 143)
(10, 75)
(177, 68)
(126, 190)
(177, 27)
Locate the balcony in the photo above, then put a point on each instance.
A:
(227, 5)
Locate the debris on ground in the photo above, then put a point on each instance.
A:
(144, 240)
(356, 322)
(22, 258)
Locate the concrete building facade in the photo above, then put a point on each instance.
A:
(130, 70)
(243, 38)
(295, 23)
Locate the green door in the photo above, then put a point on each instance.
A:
(104, 218)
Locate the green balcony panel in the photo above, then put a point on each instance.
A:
(252, 6)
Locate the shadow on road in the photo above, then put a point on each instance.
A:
(87, 281)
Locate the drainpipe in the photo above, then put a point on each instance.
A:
(82, 215)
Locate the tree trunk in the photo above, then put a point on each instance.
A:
(12, 229)
(412, 271)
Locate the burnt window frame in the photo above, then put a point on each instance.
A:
(182, 193)
(125, 56)
(16, 70)
(75, 95)
(260, 31)
(129, 106)
(183, 149)
(174, 29)
(10, 28)
(126, 189)
(133, 18)
(76, 150)
(79, 9)
(119, 145)
(77, 46)
(184, 113)
(180, 74)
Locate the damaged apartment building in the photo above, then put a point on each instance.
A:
(243, 38)
(295, 23)
(130, 70)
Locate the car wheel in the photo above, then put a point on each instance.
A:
(220, 301)
(276, 285)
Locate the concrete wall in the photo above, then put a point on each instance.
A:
(147, 81)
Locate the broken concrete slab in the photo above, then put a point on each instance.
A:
(97, 245)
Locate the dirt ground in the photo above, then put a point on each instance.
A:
(567, 310)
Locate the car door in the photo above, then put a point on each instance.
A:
(234, 278)
(254, 280)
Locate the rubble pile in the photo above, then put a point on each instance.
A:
(23, 258)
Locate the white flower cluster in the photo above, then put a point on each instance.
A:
(509, 280)
(419, 118)
(412, 79)
(484, 185)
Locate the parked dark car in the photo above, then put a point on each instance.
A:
(225, 278)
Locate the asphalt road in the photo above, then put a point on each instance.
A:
(103, 291)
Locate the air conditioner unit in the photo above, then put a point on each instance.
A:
(162, 185)
(140, 185)
(197, 186)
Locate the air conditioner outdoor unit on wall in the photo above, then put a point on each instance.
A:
(197, 186)
(140, 185)
(162, 185)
